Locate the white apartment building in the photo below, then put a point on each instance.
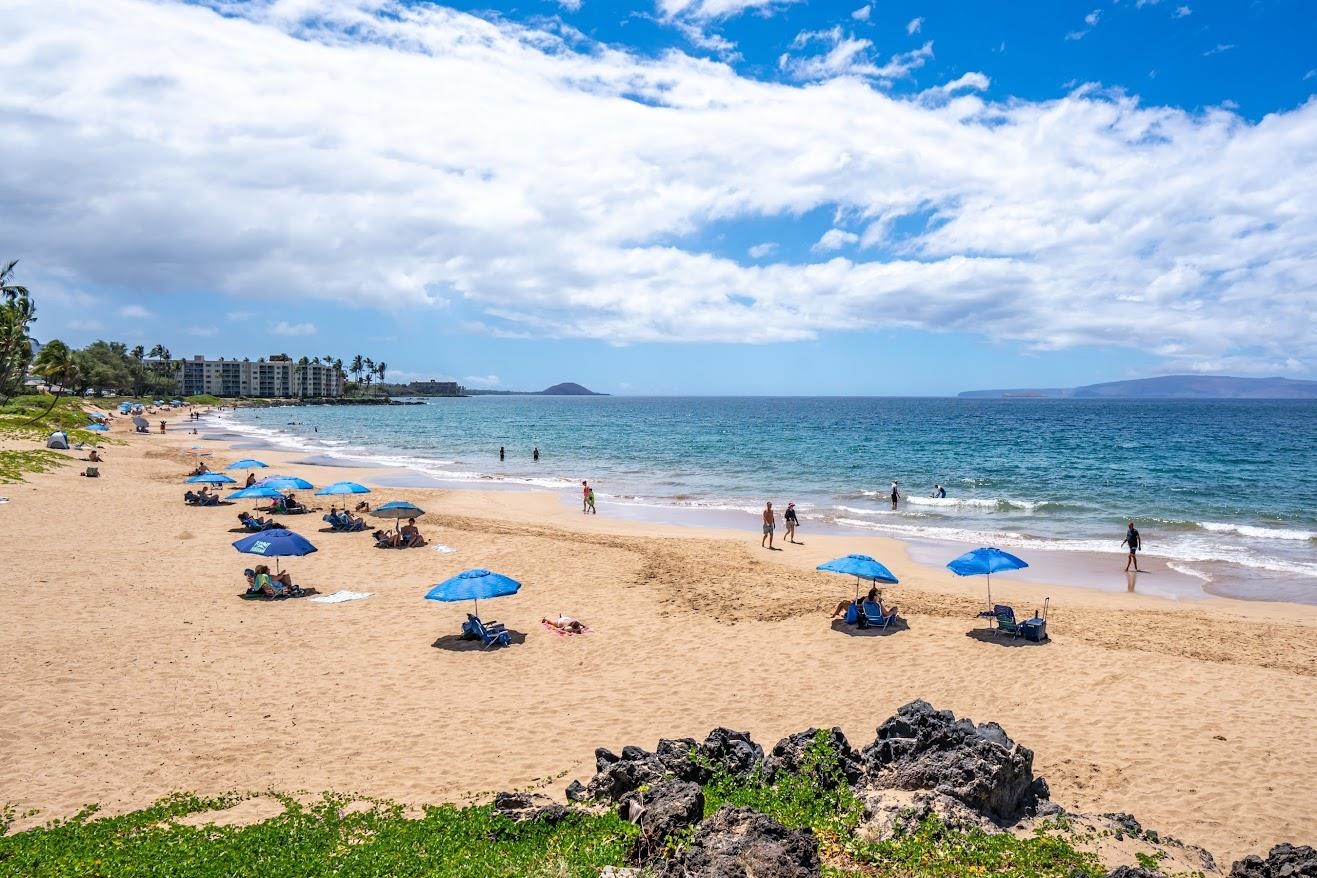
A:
(271, 378)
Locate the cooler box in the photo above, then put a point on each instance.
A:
(1035, 630)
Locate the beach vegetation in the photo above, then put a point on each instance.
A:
(15, 465)
(17, 314)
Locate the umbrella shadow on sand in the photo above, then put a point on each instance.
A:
(988, 635)
(898, 625)
(456, 643)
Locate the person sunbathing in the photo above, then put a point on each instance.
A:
(411, 537)
(190, 497)
(93, 457)
(291, 504)
(363, 506)
(385, 540)
(262, 581)
(565, 624)
(256, 522)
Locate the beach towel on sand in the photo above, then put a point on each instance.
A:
(339, 597)
(444, 550)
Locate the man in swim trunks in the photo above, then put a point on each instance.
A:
(1135, 543)
(896, 494)
(770, 523)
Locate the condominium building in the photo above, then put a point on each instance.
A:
(273, 377)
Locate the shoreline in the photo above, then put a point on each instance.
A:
(1160, 576)
(138, 672)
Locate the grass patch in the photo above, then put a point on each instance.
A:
(14, 465)
(24, 417)
(320, 840)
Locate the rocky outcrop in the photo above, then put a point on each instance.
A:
(661, 812)
(1284, 861)
(683, 758)
(523, 807)
(792, 755)
(739, 843)
(921, 748)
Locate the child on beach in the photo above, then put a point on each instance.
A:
(589, 501)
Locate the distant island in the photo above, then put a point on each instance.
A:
(567, 388)
(1167, 387)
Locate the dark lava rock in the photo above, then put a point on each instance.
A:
(683, 758)
(576, 792)
(731, 751)
(661, 812)
(923, 748)
(739, 843)
(791, 755)
(1133, 872)
(1125, 823)
(525, 807)
(1284, 861)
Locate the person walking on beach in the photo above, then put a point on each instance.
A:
(791, 521)
(162, 426)
(770, 524)
(1135, 543)
(585, 496)
(589, 501)
(896, 494)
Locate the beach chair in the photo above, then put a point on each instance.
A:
(1006, 623)
(336, 523)
(874, 614)
(489, 633)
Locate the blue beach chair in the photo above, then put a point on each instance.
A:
(488, 633)
(874, 614)
(1006, 623)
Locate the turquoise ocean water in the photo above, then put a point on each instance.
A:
(1224, 491)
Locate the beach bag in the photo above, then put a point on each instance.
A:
(92, 472)
(852, 614)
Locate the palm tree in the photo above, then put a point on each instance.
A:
(56, 364)
(355, 367)
(138, 353)
(17, 313)
(368, 368)
(380, 370)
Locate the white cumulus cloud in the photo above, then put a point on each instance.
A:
(398, 156)
(862, 14)
(835, 239)
(135, 312)
(914, 26)
(759, 251)
(283, 327)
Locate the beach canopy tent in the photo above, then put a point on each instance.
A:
(141, 423)
(472, 585)
(985, 561)
(176, 402)
(342, 488)
(276, 544)
(96, 416)
(286, 483)
(58, 440)
(246, 463)
(861, 567)
(125, 408)
(210, 479)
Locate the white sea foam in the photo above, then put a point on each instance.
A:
(1260, 533)
(1179, 567)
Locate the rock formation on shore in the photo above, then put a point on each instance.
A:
(923, 762)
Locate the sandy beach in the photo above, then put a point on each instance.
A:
(133, 669)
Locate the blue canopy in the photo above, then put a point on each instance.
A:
(986, 560)
(256, 492)
(211, 479)
(342, 488)
(860, 565)
(246, 463)
(277, 543)
(99, 428)
(286, 483)
(96, 416)
(176, 402)
(471, 585)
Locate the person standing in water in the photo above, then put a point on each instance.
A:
(535, 455)
(1135, 542)
(791, 521)
(896, 494)
(501, 452)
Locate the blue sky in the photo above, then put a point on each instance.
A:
(674, 196)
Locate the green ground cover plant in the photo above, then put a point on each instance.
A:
(15, 465)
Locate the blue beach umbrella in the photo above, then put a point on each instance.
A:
(397, 510)
(861, 567)
(472, 585)
(257, 492)
(342, 488)
(278, 543)
(986, 561)
(246, 463)
(210, 479)
(286, 483)
(99, 428)
(96, 416)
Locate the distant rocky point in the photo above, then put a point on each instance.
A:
(568, 388)
(1167, 387)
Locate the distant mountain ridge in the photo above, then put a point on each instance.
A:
(568, 388)
(1167, 387)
